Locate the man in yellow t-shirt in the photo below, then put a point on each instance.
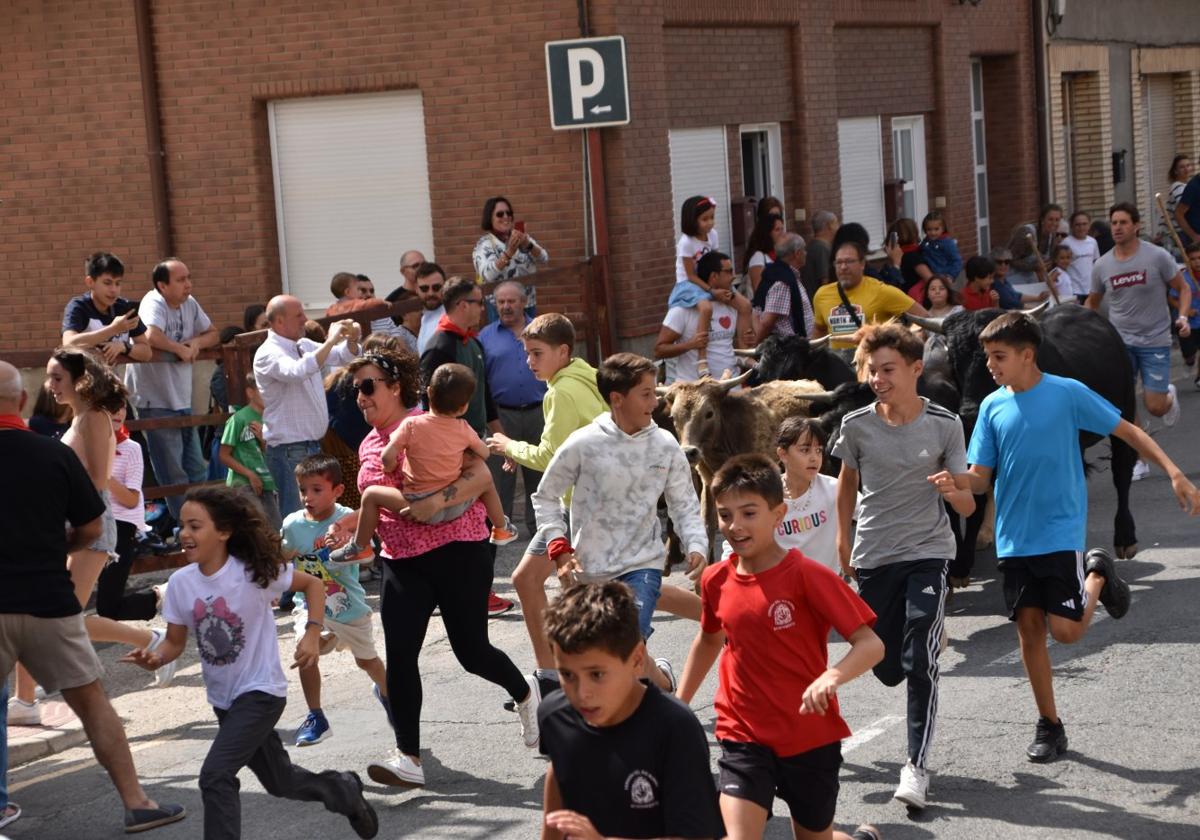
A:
(874, 302)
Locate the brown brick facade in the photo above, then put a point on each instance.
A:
(74, 175)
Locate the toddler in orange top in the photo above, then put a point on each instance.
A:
(432, 445)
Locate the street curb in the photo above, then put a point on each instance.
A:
(29, 743)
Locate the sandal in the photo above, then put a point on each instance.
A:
(144, 819)
(866, 832)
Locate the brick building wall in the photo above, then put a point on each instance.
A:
(75, 175)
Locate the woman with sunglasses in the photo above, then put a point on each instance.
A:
(447, 565)
(506, 251)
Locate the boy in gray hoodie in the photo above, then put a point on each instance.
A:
(619, 465)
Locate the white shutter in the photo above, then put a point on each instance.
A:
(1160, 114)
(351, 189)
(860, 156)
(700, 166)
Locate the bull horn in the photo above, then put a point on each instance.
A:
(1038, 311)
(661, 390)
(747, 352)
(818, 343)
(820, 395)
(730, 384)
(933, 325)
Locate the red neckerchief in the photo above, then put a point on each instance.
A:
(122, 434)
(446, 325)
(13, 421)
(908, 249)
(771, 254)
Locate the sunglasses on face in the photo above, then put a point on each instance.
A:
(367, 386)
(435, 288)
(502, 214)
(1003, 262)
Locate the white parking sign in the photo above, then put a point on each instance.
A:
(588, 84)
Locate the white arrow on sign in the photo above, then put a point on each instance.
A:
(601, 109)
(576, 58)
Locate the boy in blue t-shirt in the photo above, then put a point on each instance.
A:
(347, 615)
(1035, 418)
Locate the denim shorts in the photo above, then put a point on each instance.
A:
(1154, 364)
(107, 541)
(646, 585)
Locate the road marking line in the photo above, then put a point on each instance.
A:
(74, 766)
(870, 732)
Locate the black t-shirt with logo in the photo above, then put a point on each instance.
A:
(647, 776)
(46, 487)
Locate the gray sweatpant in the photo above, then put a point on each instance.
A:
(247, 738)
(525, 425)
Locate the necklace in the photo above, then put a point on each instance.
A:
(805, 498)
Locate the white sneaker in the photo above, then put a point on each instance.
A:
(1140, 470)
(1172, 416)
(21, 713)
(664, 665)
(163, 675)
(397, 771)
(914, 785)
(527, 711)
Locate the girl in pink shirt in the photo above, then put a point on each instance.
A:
(432, 445)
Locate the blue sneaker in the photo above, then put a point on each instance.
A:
(314, 730)
(387, 707)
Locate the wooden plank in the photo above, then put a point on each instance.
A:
(158, 563)
(184, 421)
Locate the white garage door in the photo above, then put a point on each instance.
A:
(351, 189)
(1160, 128)
(860, 155)
(700, 166)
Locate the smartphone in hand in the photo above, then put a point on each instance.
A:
(520, 225)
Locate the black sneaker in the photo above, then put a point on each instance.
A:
(1049, 743)
(1115, 595)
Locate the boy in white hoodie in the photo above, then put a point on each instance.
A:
(619, 465)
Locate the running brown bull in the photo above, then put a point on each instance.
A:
(716, 419)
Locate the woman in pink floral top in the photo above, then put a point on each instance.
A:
(446, 565)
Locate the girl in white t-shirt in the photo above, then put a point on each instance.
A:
(810, 524)
(811, 497)
(1059, 275)
(697, 221)
(224, 595)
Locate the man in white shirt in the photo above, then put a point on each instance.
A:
(175, 323)
(1084, 253)
(287, 368)
(430, 280)
(678, 339)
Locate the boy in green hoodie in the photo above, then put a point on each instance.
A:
(572, 401)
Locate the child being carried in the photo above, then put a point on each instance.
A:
(432, 445)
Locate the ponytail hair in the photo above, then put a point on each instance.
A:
(93, 380)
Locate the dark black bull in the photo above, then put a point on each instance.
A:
(796, 357)
(1076, 343)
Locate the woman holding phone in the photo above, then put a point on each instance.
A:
(506, 251)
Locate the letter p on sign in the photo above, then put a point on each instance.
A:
(587, 82)
(576, 58)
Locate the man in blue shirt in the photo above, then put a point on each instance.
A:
(1028, 435)
(516, 392)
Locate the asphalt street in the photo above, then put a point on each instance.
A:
(1127, 694)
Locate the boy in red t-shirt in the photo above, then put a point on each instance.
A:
(777, 710)
(978, 293)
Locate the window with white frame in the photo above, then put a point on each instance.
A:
(860, 160)
(908, 153)
(762, 160)
(983, 226)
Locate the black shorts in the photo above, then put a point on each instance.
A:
(1051, 582)
(807, 782)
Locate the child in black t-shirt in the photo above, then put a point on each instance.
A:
(626, 760)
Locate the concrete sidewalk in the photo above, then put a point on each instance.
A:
(60, 730)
